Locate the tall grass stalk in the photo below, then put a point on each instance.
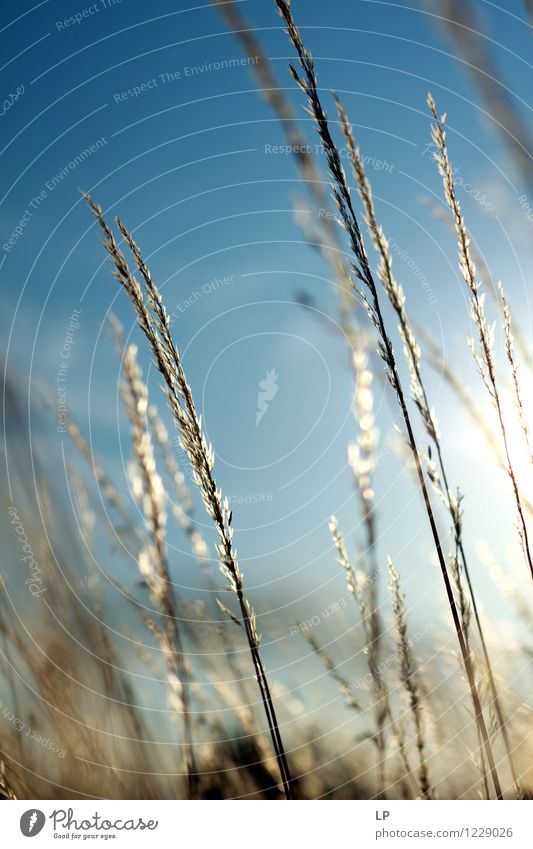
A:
(409, 679)
(484, 354)
(486, 278)
(149, 493)
(437, 472)
(307, 81)
(344, 685)
(183, 508)
(326, 238)
(5, 788)
(435, 358)
(463, 22)
(361, 458)
(362, 593)
(155, 324)
(509, 351)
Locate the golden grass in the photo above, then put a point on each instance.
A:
(85, 692)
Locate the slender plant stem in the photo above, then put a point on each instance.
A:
(362, 271)
(155, 324)
(485, 360)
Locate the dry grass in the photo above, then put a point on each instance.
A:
(370, 297)
(363, 589)
(198, 729)
(155, 324)
(437, 471)
(149, 492)
(484, 355)
(409, 678)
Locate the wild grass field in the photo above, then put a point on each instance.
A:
(146, 650)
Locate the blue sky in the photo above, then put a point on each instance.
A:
(187, 163)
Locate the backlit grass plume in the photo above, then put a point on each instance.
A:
(306, 79)
(363, 594)
(149, 493)
(510, 353)
(483, 352)
(436, 468)
(409, 679)
(155, 324)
